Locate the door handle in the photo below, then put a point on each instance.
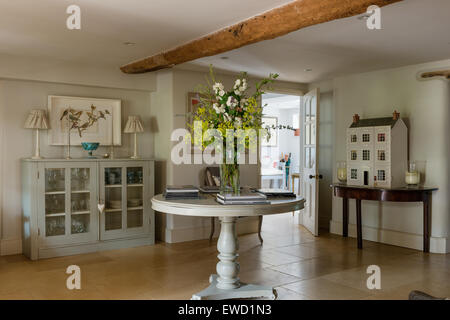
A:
(316, 177)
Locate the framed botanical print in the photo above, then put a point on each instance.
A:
(105, 131)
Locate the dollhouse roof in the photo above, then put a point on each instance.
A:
(374, 122)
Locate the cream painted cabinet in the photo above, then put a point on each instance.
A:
(60, 201)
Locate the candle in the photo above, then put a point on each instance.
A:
(412, 177)
(342, 174)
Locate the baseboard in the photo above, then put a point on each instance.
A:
(396, 238)
(10, 247)
(243, 226)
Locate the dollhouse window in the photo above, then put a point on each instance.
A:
(381, 137)
(366, 154)
(381, 155)
(366, 137)
(381, 175)
(353, 155)
(353, 138)
(354, 174)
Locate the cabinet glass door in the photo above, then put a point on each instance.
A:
(113, 198)
(125, 186)
(68, 211)
(55, 202)
(80, 197)
(135, 196)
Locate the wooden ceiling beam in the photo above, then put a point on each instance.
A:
(268, 25)
(441, 73)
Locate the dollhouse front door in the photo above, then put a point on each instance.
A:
(311, 176)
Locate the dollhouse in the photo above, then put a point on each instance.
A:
(377, 151)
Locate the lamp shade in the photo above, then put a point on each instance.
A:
(133, 125)
(37, 119)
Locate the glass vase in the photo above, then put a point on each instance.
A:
(229, 179)
(341, 171)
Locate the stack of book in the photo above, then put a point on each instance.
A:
(243, 198)
(276, 193)
(181, 192)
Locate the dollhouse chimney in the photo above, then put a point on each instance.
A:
(396, 115)
(355, 118)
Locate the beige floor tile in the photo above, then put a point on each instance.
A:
(267, 277)
(307, 269)
(322, 289)
(286, 294)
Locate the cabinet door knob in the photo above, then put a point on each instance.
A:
(316, 177)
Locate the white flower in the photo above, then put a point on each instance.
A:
(244, 85)
(242, 88)
(218, 109)
(237, 83)
(227, 117)
(218, 86)
(232, 102)
(243, 103)
(221, 93)
(237, 92)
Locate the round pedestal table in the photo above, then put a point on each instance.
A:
(226, 284)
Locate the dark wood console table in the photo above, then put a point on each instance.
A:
(401, 194)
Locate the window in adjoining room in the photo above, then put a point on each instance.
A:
(381, 137)
(354, 155)
(353, 138)
(381, 155)
(354, 174)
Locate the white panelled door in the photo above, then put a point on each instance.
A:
(310, 153)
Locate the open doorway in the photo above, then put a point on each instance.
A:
(280, 156)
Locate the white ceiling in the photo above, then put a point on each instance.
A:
(281, 101)
(414, 31)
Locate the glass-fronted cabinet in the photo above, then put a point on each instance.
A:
(85, 205)
(70, 203)
(122, 190)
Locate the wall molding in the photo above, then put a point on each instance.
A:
(396, 238)
(10, 247)
(244, 226)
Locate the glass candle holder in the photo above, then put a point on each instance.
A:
(341, 171)
(412, 176)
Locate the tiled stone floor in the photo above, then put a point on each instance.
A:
(299, 265)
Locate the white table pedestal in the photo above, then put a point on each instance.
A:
(226, 284)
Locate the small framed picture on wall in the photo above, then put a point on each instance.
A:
(270, 122)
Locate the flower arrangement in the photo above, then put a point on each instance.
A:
(232, 113)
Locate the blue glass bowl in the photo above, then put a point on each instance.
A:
(90, 146)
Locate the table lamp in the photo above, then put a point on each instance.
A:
(37, 119)
(134, 125)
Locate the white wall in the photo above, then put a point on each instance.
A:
(424, 105)
(60, 71)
